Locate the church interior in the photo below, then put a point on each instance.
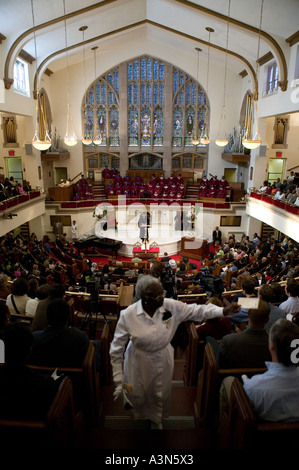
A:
(185, 112)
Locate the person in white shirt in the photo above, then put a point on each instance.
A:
(41, 294)
(278, 194)
(75, 232)
(16, 301)
(141, 353)
(291, 305)
(263, 187)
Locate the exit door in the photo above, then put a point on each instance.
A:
(276, 169)
(13, 167)
(230, 175)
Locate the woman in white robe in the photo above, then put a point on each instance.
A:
(142, 356)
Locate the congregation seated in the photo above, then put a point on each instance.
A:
(273, 394)
(248, 348)
(214, 327)
(58, 344)
(24, 394)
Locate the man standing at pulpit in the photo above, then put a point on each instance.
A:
(143, 223)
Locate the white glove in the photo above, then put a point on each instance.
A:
(118, 391)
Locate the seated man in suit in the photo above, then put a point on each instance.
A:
(59, 345)
(248, 348)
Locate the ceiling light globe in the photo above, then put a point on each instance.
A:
(221, 142)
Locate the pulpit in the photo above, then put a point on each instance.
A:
(61, 193)
(194, 248)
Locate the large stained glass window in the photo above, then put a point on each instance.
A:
(101, 109)
(145, 102)
(152, 87)
(190, 114)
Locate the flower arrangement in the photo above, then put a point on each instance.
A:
(99, 211)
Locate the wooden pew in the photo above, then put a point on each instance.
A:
(242, 430)
(210, 377)
(106, 338)
(27, 319)
(58, 429)
(86, 377)
(193, 352)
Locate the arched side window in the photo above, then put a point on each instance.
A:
(270, 79)
(190, 106)
(101, 109)
(145, 102)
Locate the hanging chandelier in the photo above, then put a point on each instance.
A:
(224, 141)
(195, 141)
(256, 141)
(41, 139)
(70, 137)
(87, 136)
(97, 138)
(204, 138)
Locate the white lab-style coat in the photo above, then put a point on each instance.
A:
(74, 232)
(142, 356)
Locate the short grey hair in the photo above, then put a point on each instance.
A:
(143, 282)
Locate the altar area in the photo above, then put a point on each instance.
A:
(168, 225)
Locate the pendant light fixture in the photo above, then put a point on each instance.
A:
(87, 137)
(97, 138)
(247, 141)
(204, 138)
(224, 141)
(195, 141)
(41, 139)
(70, 138)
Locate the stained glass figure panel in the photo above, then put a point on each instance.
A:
(177, 133)
(190, 126)
(158, 127)
(133, 127)
(146, 126)
(102, 124)
(113, 126)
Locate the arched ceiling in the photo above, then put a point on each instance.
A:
(169, 21)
